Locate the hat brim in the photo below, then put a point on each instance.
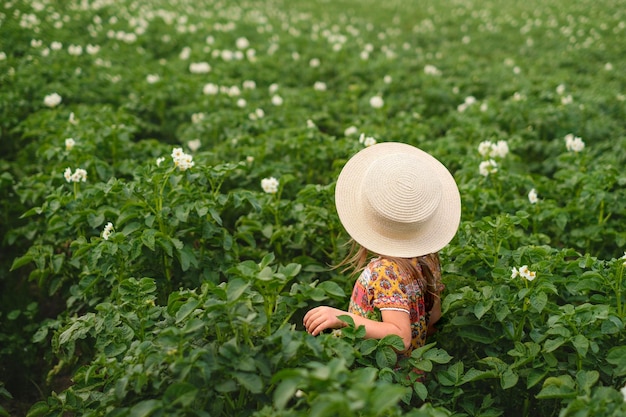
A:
(431, 237)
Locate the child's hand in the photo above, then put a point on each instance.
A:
(321, 318)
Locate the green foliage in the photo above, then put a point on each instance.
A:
(190, 302)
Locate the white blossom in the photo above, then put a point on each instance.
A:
(242, 43)
(310, 124)
(210, 89)
(352, 130)
(484, 147)
(72, 119)
(69, 144)
(526, 273)
(75, 50)
(367, 140)
(270, 185)
(182, 160)
(108, 229)
(431, 70)
(249, 85)
(241, 103)
(79, 175)
(314, 63)
(499, 149)
(377, 102)
(624, 258)
(319, 86)
(153, 78)
(273, 88)
(514, 273)
(277, 100)
(159, 161)
(574, 143)
(199, 68)
(532, 196)
(488, 167)
(52, 100)
(194, 144)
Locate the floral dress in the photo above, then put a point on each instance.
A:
(382, 286)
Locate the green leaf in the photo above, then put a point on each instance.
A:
(508, 379)
(385, 397)
(386, 357)
(186, 309)
(617, 358)
(251, 382)
(557, 387)
(284, 392)
(180, 393)
(21, 261)
(438, 356)
(535, 376)
(539, 301)
(581, 344)
(421, 390)
(332, 288)
(38, 409)
(236, 288)
(145, 408)
(553, 344)
(394, 341)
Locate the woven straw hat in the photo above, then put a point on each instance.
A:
(397, 200)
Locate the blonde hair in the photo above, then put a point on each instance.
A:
(358, 257)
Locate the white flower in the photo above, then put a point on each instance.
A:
(273, 88)
(484, 147)
(92, 49)
(3, 56)
(574, 143)
(249, 85)
(377, 102)
(608, 66)
(532, 196)
(431, 70)
(234, 91)
(567, 100)
(68, 174)
(75, 50)
(159, 161)
(55, 46)
(488, 167)
(299, 393)
(277, 100)
(69, 144)
(387, 79)
(199, 68)
(79, 175)
(249, 159)
(52, 100)
(526, 273)
(108, 229)
(499, 149)
(352, 130)
(310, 124)
(194, 145)
(270, 185)
(319, 86)
(367, 140)
(152, 78)
(185, 53)
(560, 89)
(624, 258)
(72, 119)
(242, 43)
(623, 390)
(197, 118)
(182, 160)
(514, 273)
(210, 89)
(314, 63)
(241, 103)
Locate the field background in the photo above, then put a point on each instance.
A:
(190, 302)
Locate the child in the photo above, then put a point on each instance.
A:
(401, 204)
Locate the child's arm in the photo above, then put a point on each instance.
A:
(394, 322)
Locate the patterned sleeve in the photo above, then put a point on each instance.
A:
(388, 287)
(432, 260)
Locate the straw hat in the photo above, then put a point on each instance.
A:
(397, 200)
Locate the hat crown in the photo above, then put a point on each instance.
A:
(401, 191)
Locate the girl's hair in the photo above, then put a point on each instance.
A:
(358, 257)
